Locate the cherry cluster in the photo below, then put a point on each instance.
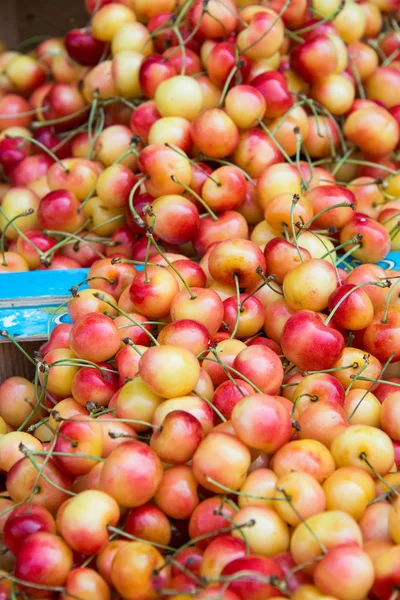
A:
(216, 114)
(221, 417)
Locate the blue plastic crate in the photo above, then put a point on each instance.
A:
(29, 300)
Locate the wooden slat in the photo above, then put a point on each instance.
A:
(13, 362)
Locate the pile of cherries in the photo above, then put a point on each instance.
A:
(221, 417)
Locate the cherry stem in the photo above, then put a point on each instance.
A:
(322, 241)
(288, 498)
(228, 368)
(239, 307)
(326, 19)
(257, 289)
(69, 454)
(215, 409)
(382, 284)
(82, 363)
(243, 494)
(26, 113)
(342, 160)
(119, 420)
(79, 239)
(384, 367)
(196, 195)
(125, 314)
(356, 75)
(228, 80)
(295, 200)
(42, 147)
(206, 536)
(327, 209)
(137, 539)
(297, 135)
(192, 162)
(39, 124)
(171, 265)
(363, 457)
(136, 217)
(355, 377)
(252, 577)
(29, 455)
(272, 137)
(220, 161)
(353, 365)
(388, 299)
(10, 222)
(287, 113)
(67, 238)
(266, 281)
(356, 161)
(391, 57)
(342, 259)
(354, 240)
(37, 586)
(274, 22)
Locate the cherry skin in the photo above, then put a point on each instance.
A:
(225, 190)
(148, 523)
(153, 291)
(87, 437)
(315, 58)
(318, 387)
(92, 385)
(249, 419)
(59, 210)
(261, 366)
(273, 87)
(207, 308)
(177, 219)
(111, 278)
(24, 521)
(58, 338)
(277, 313)
(162, 165)
(212, 469)
(179, 438)
(214, 124)
(282, 257)
(209, 518)
(143, 118)
(236, 258)
(353, 312)
(309, 344)
(257, 588)
(221, 60)
(131, 463)
(177, 493)
(319, 281)
(375, 241)
(53, 555)
(12, 152)
(185, 333)
(250, 318)
(83, 47)
(228, 394)
(367, 138)
(230, 224)
(380, 337)
(95, 337)
(159, 367)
